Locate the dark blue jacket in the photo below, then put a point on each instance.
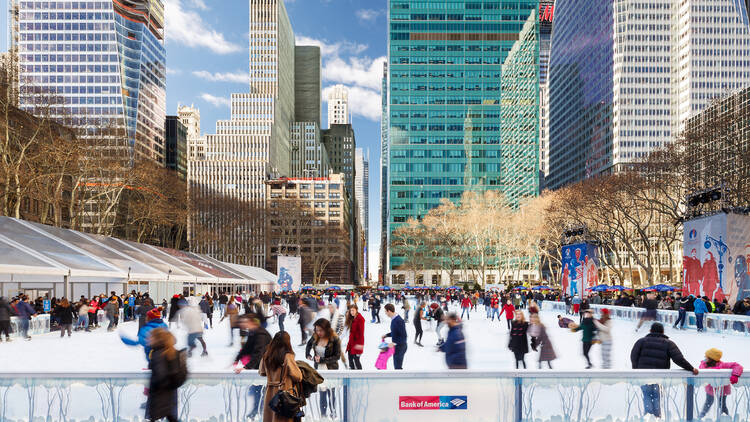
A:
(24, 310)
(398, 330)
(143, 336)
(455, 348)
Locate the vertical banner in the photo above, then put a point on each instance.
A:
(580, 268)
(290, 273)
(716, 251)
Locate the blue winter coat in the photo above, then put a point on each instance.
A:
(143, 335)
(455, 348)
(700, 306)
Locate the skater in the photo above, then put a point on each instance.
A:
(305, 317)
(455, 344)
(375, 306)
(418, 318)
(325, 346)
(190, 317)
(406, 306)
(112, 310)
(495, 305)
(24, 312)
(5, 313)
(650, 304)
(250, 355)
(655, 352)
(154, 322)
(397, 335)
(589, 329)
(466, 307)
(207, 309)
(563, 322)
(337, 320)
(280, 313)
(168, 373)
(685, 305)
(93, 312)
(509, 311)
(519, 342)
(604, 334)
(700, 309)
(233, 311)
(355, 323)
(386, 351)
(438, 315)
(146, 306)
(174, 306)
(281, 371)
(713, 361)
(540, 340)
(64, 314)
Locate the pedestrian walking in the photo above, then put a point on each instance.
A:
(540, 340)
(397, 335)
(518, 342)
(281, 372)
(655, 351)
(355, 323)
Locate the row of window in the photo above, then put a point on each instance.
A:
(458, 17)
(469, 5)
(413, 100)
(64, 5)
(427, 59)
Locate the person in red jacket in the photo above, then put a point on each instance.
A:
(355, 323)
(494, 304)
(465, 307)
(509, 311)
(93, 308)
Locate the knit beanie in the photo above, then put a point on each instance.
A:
(153, 314)
(714, 354)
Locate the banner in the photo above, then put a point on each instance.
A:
(580, 268)
(716, 253)
(290, 273)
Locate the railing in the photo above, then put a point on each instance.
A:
(37, 325)
(356, 396)
(717, 323)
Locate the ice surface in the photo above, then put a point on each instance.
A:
(102, 351)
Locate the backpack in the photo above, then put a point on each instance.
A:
(178, 372)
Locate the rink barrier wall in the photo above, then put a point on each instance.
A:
(358, 396)
(713, 323)
(39, 324)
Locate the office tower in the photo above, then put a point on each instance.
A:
(620, 91)
(361, 194)
(249, 148)
(97, 64)
(309, 158)
(338, 106)
(546, 20)
(340, 143)
(307, 84)
(176, 142)
(444, 80)
(519, 116)
(311, 219)
(383, 175)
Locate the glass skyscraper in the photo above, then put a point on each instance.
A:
(444, 101)
(105, 64)
(625, 75)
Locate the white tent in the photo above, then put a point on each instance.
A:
(39, 259)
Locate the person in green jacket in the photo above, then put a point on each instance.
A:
(589, 330)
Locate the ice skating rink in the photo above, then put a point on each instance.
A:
(487, 340)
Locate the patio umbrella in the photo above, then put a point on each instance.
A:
(333, 288)
(616, 287)
(308, 288)
(599, 288)
(540, 288)
(520, 288)
(384, 288)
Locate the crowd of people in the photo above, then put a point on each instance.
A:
(333, 339)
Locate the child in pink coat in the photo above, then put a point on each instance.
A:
(713, 361)
(386, 351)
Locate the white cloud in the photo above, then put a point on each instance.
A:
(237, 77)
(187, 27)
(367, 15)
(364, 72)
(199, 4)
(216, 101)
(328, 49)
(173, 71)
(362, 101)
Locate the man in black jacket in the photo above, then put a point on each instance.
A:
(655, 351)
(250, 355)
(5, 313)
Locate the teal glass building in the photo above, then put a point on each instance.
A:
(445, 89)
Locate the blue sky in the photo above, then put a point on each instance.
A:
(207, 60)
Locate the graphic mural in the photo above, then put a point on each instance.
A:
(716, 252)
(580, 264)
(289, 273)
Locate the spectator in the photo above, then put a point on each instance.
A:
(281, 370)
(713, 361)
(250, 355)
(654, 351)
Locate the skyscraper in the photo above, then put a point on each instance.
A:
(361, 193)
(176, 146)
(103, 62)
(249, 148)
(546, 17)
(384, 175)
(444, 101)
(625, 75)
(338, 106)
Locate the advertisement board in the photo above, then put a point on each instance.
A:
(289, 270)
(716, 252)
(580, 268)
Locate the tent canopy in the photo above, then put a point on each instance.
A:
(36, 251)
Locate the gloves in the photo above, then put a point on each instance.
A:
(733, 379)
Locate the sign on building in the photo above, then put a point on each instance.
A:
(580, 268)
(289, 269)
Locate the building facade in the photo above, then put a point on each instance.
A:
(384, 207)
(445, 87)
(176, 152)
(309, 217)
(361, 194)
(309, 158)
(340, 143)
(625, 75)
(252, 146)
(338, 106)
(98, 63)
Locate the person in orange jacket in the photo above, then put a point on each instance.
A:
(509, 311)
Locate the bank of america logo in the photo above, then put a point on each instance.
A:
(457, 402)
